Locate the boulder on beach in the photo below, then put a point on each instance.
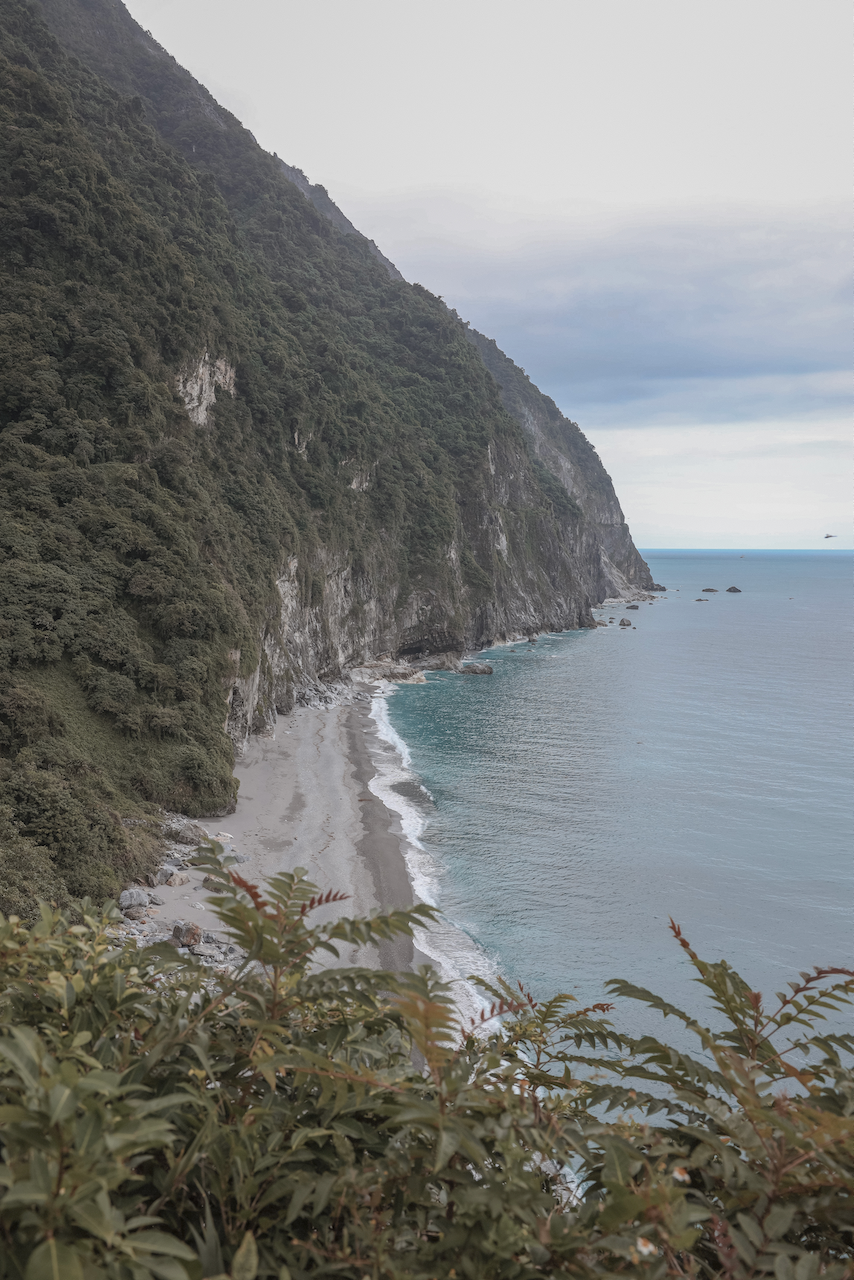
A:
(206, 952)
(175, 881)
(165, 872)
(133, 898)
(737, 590)
(190, 835)
(186, 935)
(216, 884)
(134, 913)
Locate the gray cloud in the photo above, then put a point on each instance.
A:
(691, 320)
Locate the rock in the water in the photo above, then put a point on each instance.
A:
(624, 622)
(632, 606)
(711, 590)
(656, 586)
(737, 590)
(449, 661)
(187, 935)
(176, 880)
(133, 898)
(134, 913)
(476, 669)
(700, 600)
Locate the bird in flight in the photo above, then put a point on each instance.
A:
(830, 535)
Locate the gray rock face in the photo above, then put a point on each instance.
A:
(133, 898)
(608, 563)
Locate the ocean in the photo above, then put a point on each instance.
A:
(696, 765)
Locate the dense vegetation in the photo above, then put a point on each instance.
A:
(159, 1120)
(139, 230)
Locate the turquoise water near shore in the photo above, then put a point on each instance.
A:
(696, 766)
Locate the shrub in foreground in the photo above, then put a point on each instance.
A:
(287, 1119)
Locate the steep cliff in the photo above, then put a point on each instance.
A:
(241, 455)
(609, 561)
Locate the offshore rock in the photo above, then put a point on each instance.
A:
(370, 672)
(439, 662)
(624, 622)
(476, 669)
(737, 590)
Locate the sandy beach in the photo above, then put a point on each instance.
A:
(304, 801)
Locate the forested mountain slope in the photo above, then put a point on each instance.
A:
(235, 449)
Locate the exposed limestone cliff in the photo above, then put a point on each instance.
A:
(197, 386)
(609, 562)
(313, 640)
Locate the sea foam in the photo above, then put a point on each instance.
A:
(453, 953)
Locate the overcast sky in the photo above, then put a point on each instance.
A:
(642, 201)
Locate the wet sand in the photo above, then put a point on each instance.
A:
(304, 801)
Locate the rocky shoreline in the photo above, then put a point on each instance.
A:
(151, 912)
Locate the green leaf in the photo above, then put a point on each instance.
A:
(445, 1148)
(63, 1103)
(160, 1242)
(54, 1261)
(621, 1161)
(751, 1229)
(166, 1268)
(244, 1265)
(25, 1192)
